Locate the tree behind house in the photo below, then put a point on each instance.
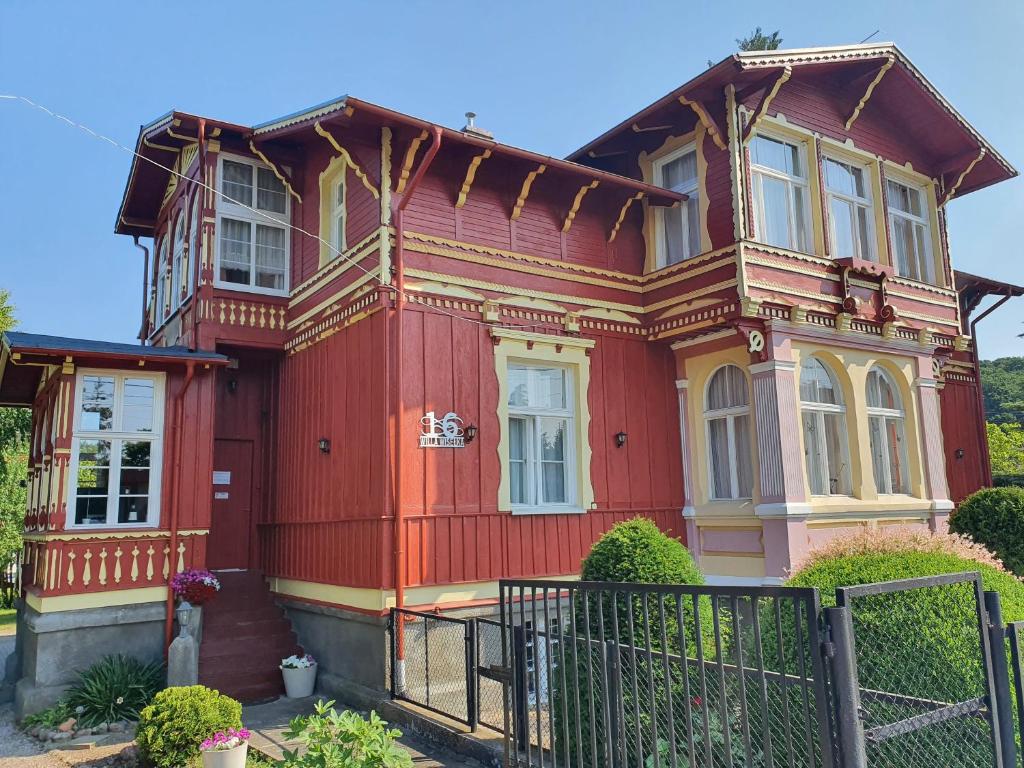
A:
(15, 425)
(758, 41)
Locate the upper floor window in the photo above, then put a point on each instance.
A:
(116, 449)
(727, 415)
(823, 417)
(885, 426)
(780, 193)
(252, 250)
(910, 231)
(193, 245)
(177, 261)
(541, 430)
(338, 212)
(848, 198)
(160, 278)
(678, 235)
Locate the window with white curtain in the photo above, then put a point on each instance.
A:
(780, 193)
(678, 228)
(193, 246)
(727, 420)
(910, 231)
(823, 417)
(850, 213)
(116, 449)
(252, 245)
(542, 449)
(177, 261)
(160, 278)
(885, 427)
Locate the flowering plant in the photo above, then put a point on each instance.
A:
(298, 662)
(224, 740)
(195, 586)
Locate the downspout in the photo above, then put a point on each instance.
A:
(399, 267)
(986, 464)
(199, 235)
(179, 421)
(144, 330)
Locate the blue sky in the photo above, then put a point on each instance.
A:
(547, 76)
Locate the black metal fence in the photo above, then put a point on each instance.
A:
(10, 581)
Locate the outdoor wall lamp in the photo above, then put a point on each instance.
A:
(184, 614)
(620, 439)
(325, 445)
(959, 453)
(232, 386)
(471, 431)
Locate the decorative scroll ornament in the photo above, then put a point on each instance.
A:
(755, 342)
(442, 433)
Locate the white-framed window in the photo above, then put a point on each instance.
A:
(782, 213)
(850, 210)
(252, 249)
(885, 427)
(116, 449)
(823, 417)
(160, 278)
(727, 427)
(910, 231)
(193, 246)
(337, 192)
(678, 228)
(542, 450)
(177, 260)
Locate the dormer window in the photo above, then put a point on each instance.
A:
(678, 228)
(910, 231)
(850, 212)
(252, 240)
(781, 199)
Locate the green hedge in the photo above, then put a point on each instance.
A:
(1006, 481)
(995, 517)
(179, 719)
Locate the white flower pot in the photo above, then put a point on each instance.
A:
(226, 758)
(299, 683)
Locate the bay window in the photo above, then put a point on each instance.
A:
(727, 420)
(252, 242)
(781, 198)
(823, 419)
(910, 231)
(678, 228)
(848, 201)
(116, 450)
(885, 427)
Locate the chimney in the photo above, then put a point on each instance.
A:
(473, 130)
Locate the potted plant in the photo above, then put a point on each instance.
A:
(195, 586)
(299, 676)
(225, 749)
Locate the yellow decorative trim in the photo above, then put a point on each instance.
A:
(576, 204)
(444, 289)
(526, 302)
(96, 599)
(280, 176)
(960, 179)
(109, 534)
(336, 170)
(622, 215)
(610, 315)
(868, 91)
(524, 192)
(766, 101)
(370, 275)
(410, 156)
(348, 159)
(348, 260)
(705, 120)
(470, 176)
(188, 154)
(154, 145)
(385, 202)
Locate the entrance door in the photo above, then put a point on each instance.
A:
(231, 526)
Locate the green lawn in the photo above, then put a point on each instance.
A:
(7, 616)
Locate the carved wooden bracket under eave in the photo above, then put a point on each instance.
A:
(868, 91)
(576, 204)
(360, 174)
(277, 171)
(410, 156)
(622, 215)
(960, 179)
(705, 119)
(524, 192)
(467, 183)
(770, 92)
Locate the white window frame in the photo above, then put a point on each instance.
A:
(227, 209)
(193, 245)
(693, 190)
(161, 299)
(116, 438)
(534, 474)
(885, 414)
(818, 411)
(339, 237)
(177, 259)
(869, 250)
(924, 221)
(729, 414)
(757, 195)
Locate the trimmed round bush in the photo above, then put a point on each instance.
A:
(995, 517)
(637, 551)
(173, 726)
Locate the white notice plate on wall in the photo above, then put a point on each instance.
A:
(221, 478)
(220, 495)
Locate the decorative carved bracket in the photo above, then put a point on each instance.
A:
(770, 92)
(524, 191)
(879, 74)
(467, 183)
(645, 129)
(705, 119)
(577, 201)
(360, 174)
(410, 156)
(622, 215)
(756, 336)
(960, 179)
(277, 172)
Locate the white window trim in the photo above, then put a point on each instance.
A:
(160, 299)
(192, 246)
(732, 448)
(230, 210)
(155, 457)
(533, 461)
(884, 414)
(178, 259)
(339, 239)
(757, 195)
(862, 202)
(924, 220)
(660, 254)
(818, 411)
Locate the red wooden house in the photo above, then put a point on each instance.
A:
(389, 363)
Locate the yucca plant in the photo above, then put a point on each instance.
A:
(115, 688)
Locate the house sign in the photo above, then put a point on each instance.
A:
(441, 433)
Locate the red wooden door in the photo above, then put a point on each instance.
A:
(231, 525)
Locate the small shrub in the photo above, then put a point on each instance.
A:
(115, 688)
(179, 719)
(49, 718)
(995, 517)
(344, 740)
(637, 551)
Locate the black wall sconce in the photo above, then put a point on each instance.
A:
(325, 445)
(232, 386)
(620, 439)
(959, 453)
(470, 434)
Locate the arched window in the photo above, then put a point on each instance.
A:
(885, 426)
(193, 247)
(177, 261)
(160, 282)
(824, 424)
(338, 211)
(727, 416)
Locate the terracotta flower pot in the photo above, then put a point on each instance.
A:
(226, 758)
(299, 683)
